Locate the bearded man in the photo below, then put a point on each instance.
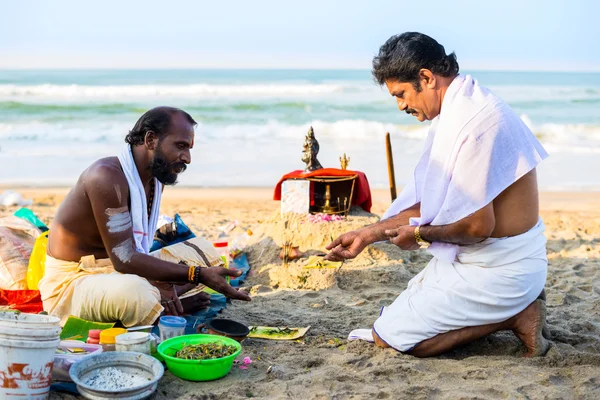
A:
(98, 264)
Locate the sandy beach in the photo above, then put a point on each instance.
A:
(324, 365)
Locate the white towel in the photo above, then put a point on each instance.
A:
(143, 229)
(476, 148)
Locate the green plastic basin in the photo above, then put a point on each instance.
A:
(197, 370)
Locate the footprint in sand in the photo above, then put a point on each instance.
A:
(380, 296)
(584, 272)
(558, 380)
(313, 363)
(476, 374)
(560, 299)
(585, 288)
(311, 295)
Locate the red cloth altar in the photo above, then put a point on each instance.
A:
(362, 191)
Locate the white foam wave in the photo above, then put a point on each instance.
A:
(191, 90)
(566, 138)
(539, 93)
(84, 131)
(223, 152)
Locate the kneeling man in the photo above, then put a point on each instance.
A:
(472, 201)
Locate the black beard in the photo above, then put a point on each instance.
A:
(162, 169)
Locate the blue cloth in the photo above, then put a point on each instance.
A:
(241, 263)
(182, 232)
(64, 387)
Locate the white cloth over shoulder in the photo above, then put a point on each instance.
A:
(490, 282)
(476, 148)
(143, 227)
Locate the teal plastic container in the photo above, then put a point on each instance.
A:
(197, 370)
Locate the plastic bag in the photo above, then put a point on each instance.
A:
(239, 243)
(37, 261)
(17, 238)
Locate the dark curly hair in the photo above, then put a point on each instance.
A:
(403, 56)
(157, 120)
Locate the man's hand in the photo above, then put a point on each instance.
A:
(403, 237)
(347, 246)
(214, 278)
(196, 302)
(168, 298)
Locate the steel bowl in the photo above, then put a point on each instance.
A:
(131, 362)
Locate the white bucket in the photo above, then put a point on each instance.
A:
(28, 344)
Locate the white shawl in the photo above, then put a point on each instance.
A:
(476, 148)
(143, 229)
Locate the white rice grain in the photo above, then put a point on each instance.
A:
(112, 378)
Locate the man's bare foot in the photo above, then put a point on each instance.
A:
(528, 326)
(378, 341)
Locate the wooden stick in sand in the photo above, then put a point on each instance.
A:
(390, 164)
(340, 267)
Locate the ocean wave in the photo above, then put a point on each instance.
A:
(514, 94)
(83, 131)
(509, 93)
(8, 91)
(20, 108)
(213, 111)
(568, 137)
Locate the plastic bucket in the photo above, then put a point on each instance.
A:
(28, 345)
(17, 326)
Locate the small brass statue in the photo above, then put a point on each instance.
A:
(311, 149)
(344, 161)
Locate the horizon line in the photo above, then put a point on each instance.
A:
(479, 69)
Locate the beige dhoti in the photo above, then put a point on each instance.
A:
(93, 290)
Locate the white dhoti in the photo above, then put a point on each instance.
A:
(476, 148)
(488, 282)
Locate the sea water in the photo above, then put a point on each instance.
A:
(251, 123)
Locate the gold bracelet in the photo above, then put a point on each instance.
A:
(420, 241)
(191, 274)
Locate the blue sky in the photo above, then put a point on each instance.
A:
(499, 35)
